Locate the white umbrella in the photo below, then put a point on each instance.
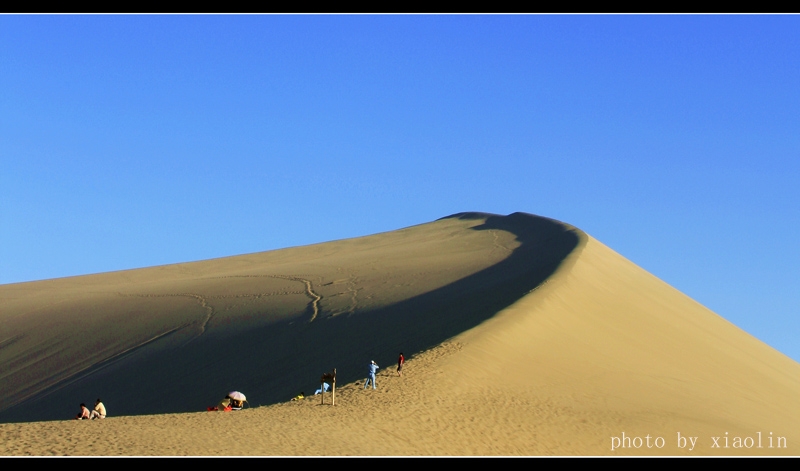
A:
(236, 395)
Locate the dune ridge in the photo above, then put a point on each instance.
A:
(524, 336)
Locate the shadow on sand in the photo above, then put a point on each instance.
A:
(272, 363)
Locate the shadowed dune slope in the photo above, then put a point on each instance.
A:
(525, 336)
(175, 338)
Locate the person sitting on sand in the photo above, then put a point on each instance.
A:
(236, 404)
(299, 396)
(99, 411)
(225, 404)
(84, 413)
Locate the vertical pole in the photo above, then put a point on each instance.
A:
(322, 394)
(333, 389)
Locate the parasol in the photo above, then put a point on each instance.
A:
(236, 395)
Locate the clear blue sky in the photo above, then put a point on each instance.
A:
(140, 140)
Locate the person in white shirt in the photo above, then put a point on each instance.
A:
(99, 411)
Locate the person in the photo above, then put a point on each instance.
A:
(324, 388)
(400, 362)
(225, 404)
(99, 411)
(299, 396)
(84, 413)
(371, 369)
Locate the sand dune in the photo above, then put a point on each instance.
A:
(525, 336)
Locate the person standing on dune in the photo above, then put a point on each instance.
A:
(371, 370)
(400, 362)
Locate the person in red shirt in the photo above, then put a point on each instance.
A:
(400, 362)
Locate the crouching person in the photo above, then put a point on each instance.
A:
(83, 414)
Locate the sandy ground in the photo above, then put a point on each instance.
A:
(524, 336)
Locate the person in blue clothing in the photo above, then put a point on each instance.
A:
(371, 370)
(323, 389)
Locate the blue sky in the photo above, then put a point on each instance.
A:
(138, 140)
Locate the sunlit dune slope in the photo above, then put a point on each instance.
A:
(604, 350)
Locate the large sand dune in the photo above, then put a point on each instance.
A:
(525, 336)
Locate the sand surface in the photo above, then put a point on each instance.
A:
(524, 336)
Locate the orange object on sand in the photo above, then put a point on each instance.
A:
(226, 409)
